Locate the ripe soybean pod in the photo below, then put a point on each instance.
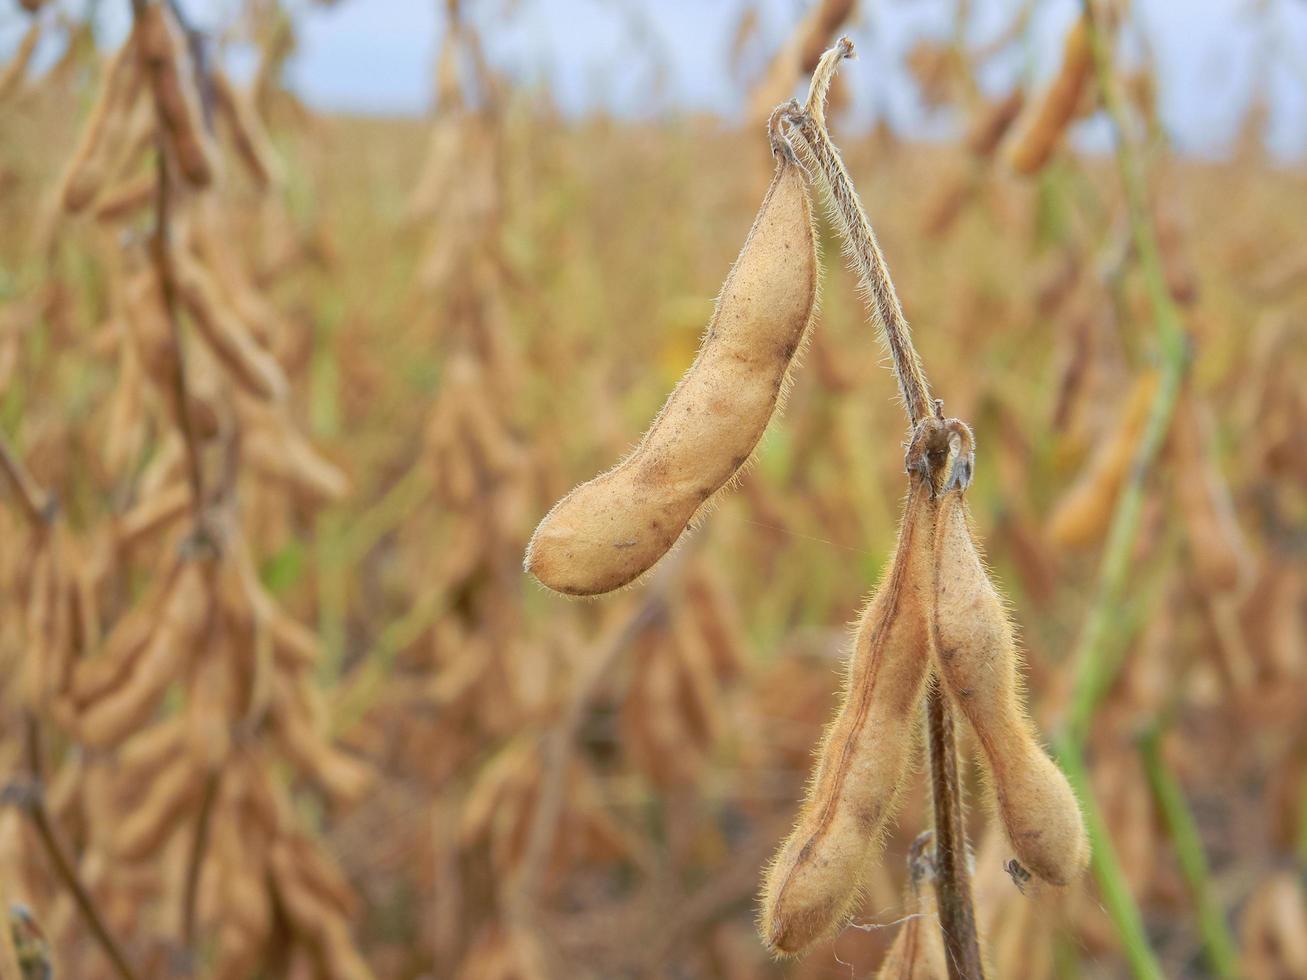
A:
(814, 883)
(977, 658)
(1040, 128)
(608, 532)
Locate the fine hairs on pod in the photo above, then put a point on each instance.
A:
(814, 884)
(976, 650)
(608, 532)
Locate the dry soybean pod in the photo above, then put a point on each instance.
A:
(126, 198)
(103, 133)
(172, 77)
(1046, 119)
(977, 656)
(813, 885)
(156, 813)
(15, 73)
(247, 132)
(1082, 515)
(606, 533)
(989, 126)
(225, 333)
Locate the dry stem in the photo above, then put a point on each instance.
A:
(195, 862)
(9, 966)
(952, 882)
(28, 794)
(860, 240)
(957, 919)
(561, 739)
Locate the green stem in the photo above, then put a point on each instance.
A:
(1220, 945)
(361, 691)
(1094, 671)
(1118, 901)
(403, 497)
(1094, 665)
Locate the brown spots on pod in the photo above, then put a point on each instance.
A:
(978, 663)
(767, 304)
(813, 885)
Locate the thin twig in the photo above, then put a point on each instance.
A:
(161, 254)
(1220, 946)
(1095, 666)
(561, 739)
(860, 240)
(29, 796)
(161, 246)
(37, 505)
(957, 918)
(195, 862)
(1094, 669)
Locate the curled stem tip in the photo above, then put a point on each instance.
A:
(809, 123)
(822, 76)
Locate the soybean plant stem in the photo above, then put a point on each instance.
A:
(1094, 665)
(161, 254)
(863, 249)
(1221, 949)
(64, 868)
(195, 861)
(30, 796)
(161, 249)
(952, 878)
(10, 969)
(952, 881)
(1094, 670)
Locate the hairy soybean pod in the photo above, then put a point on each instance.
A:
(813, 885)
(606, 533)
(977, 655)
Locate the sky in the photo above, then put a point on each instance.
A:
(641, 57)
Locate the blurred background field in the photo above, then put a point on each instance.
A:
(379, 749)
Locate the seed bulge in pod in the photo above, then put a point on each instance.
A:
(814, 883)
(977, 656)
(606, 533)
